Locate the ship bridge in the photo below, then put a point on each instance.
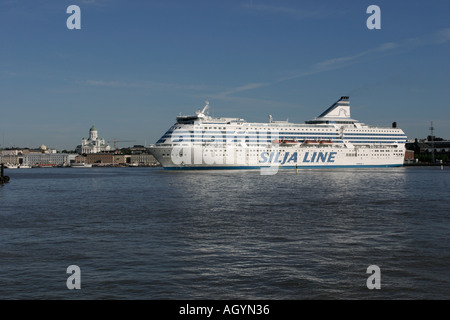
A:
(202, 116)
(199, 115)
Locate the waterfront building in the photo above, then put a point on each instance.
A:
(143, 159)
(409, 157)
(93, 144)
(429, 150)
(105, 158)
(7, 158)
(114, 159)
(11, 152)
(48, 159)
(42, 156)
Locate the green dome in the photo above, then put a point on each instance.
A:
(93, 128)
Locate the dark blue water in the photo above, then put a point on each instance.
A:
(145, 233)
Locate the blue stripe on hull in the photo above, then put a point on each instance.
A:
(282, 167)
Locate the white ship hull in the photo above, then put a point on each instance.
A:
(283, 158)
(331, 140)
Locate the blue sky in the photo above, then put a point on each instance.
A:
(135, 65)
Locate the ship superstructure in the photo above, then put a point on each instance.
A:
(333, 139)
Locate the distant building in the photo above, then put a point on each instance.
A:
(11, 152)
(430, 149)
(138, 149)
(35, 157)
(112, 159)
(48, 159)
(143, 159)
(92, 145)
(7, 158)
(106, 158)
(409, 156)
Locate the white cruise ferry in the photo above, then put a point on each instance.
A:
(333, 139)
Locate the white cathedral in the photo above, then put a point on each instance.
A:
(93, 144)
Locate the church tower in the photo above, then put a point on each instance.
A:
(93, 134)
(93, 144)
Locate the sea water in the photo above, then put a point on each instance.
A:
(147, 233)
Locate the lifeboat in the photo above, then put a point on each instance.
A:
(311, 142)
(287, 142)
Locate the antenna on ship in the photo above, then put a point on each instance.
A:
(205, 108)
(204, 111)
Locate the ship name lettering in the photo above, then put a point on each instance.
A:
(315, 157)
(319, 157)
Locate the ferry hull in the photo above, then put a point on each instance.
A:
(281, 167)
(282, 158)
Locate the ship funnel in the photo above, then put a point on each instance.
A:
(339, 110)
(394, 124)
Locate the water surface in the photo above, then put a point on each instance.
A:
(146, 233)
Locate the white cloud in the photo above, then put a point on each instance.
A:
(244, 87)
(439, 37)
(442, 36)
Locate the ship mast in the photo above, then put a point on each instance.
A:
(204, 112)
(205, 108)
(432, 142)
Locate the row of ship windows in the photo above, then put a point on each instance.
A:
(325, 136)
(378, 141)
(258, 153)
(237, 139)
(255, 153)
(377, 138)
(376, 155)
(291, 135)
(373, 140)
(370, 131)
(376, 134)
(263, 129)
(267, 132)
